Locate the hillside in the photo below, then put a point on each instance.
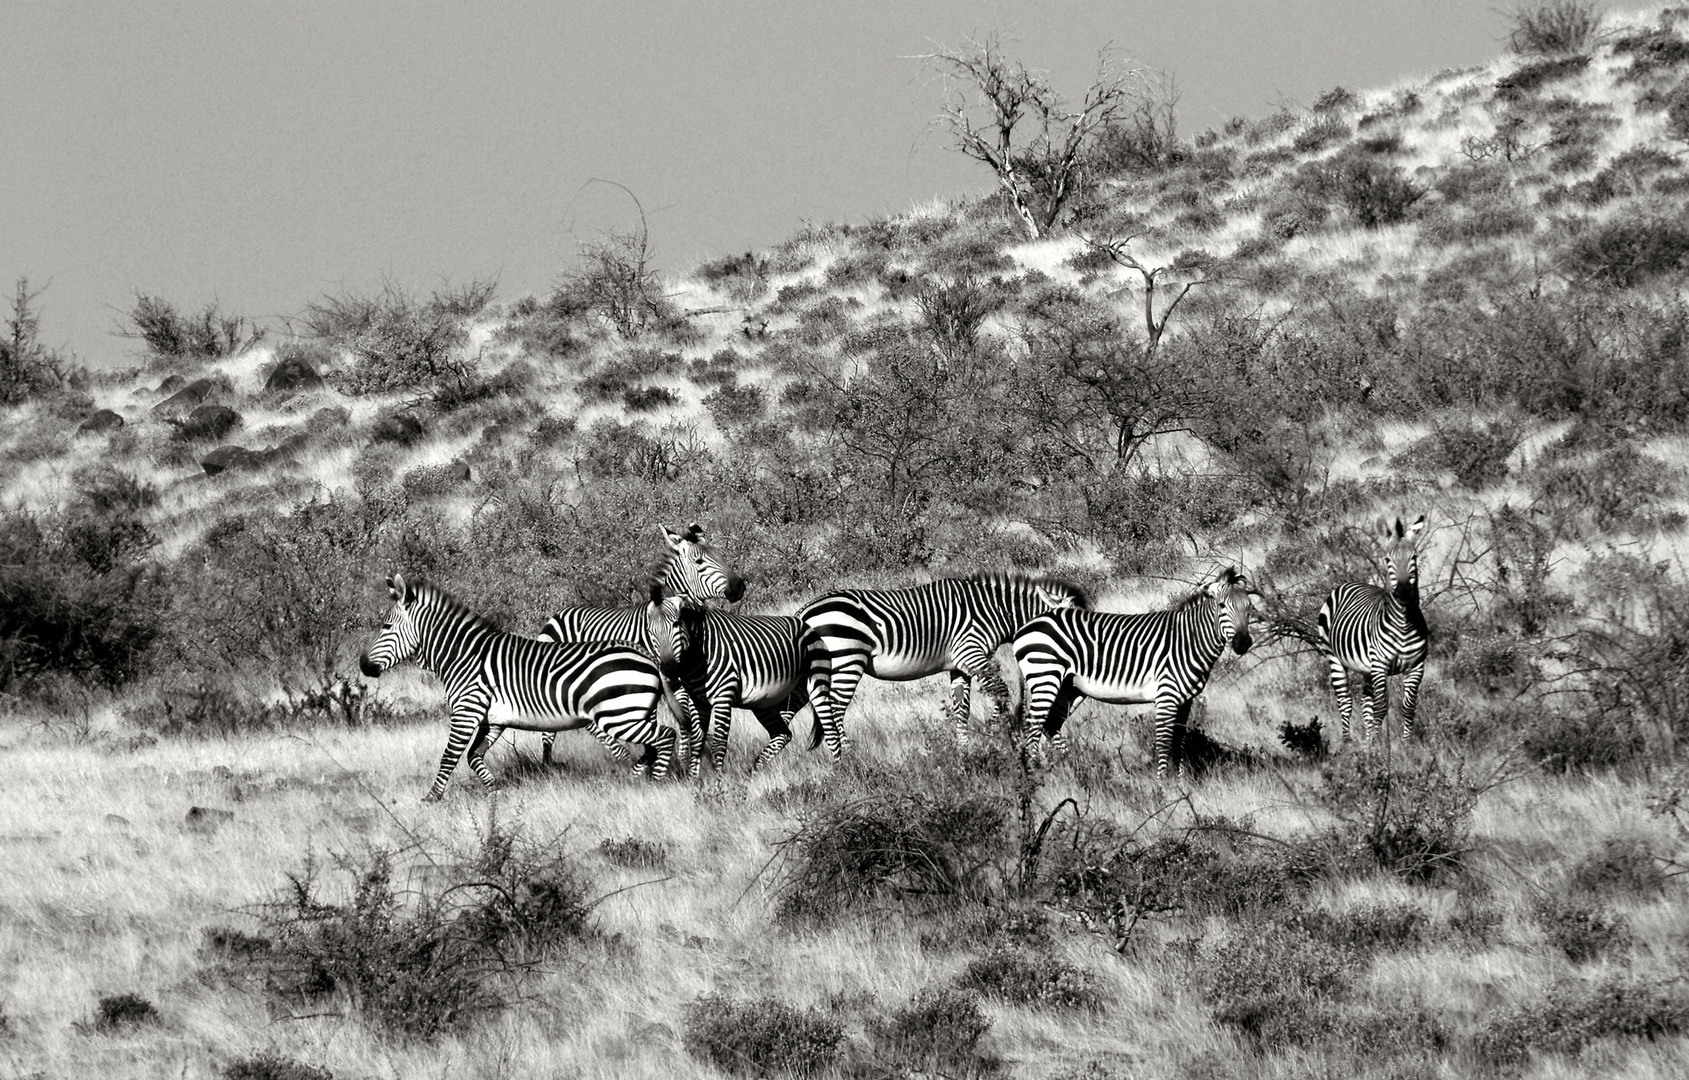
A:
(1461, 295)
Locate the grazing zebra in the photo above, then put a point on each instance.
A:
(1163, 657)
(496, 680)
(769, 664)
(953, 625)
(692, 569)
(1378, 632)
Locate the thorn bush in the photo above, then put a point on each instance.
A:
(937, 1032)
(1620, 866)
(761, 1037)
(1037, 979)
(1574, 1014)
(1581, 930)
(121, 1012)
(271, 1065)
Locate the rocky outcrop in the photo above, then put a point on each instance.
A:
(104, 420)
(403, 428)
(292, 375)
(230, 459)
(208, 422)
(185, 400)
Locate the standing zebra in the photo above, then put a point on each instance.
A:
(769, 664)
(1377, 633)
(496, 680)
(953, 625)
(692, 569)
(1163, 657)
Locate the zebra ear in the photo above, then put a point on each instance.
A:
(695, 533)
(1418, 525)
(674, 539)
(396, 587)
(1382, 526)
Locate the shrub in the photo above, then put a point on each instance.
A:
(632, 853)
(1378, 927)
(1554, 26)
(173, 335)
(1305, 741)
(424, 964)
(1622, 866)
(1574, 1014)
(399, 342)
(936, 1032)
(120, 1012)
(1278, 987)
(1414, 820)
(1320, 134)
(1036, 979)
(762, 1037)
(1627, 251)
(271, 1065)
(649, 398)
(1574, 736)
(1375, 193)
(1582, 931)
(1335, 100)
(732, 405)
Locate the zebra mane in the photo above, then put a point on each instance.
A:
(445, 601)
(1015, 580)
(1190, 599)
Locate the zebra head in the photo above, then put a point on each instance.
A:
(399, 637)
(674, 626)
(1230, 593)
(693, 568)
(1401, 555)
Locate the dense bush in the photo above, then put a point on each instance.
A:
(120, 1012)
(174, 335)
(936, 1032)
(398, 341)
(1276, 986)
(420, 964)
(762, 1037)
(1037, 979)
(1550, 27)
(1626, 251)
(1413, 819)
(1582, 931)
(270, 1065)
(1619, 866)
(1574, 1014)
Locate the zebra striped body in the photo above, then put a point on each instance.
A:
(1375, 633)
(693, 570)
(769, 664)
(1162, 657)
(952, 625)
(495, 680)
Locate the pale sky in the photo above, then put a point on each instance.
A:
(266, 154)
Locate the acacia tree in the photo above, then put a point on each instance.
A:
(1187, 270)
(1008, 117)
(617, 278)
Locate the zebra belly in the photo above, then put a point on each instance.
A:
(523, 718)
(901, 667)
(1118, 690)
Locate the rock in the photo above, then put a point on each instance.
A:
(170, 383)
(117, 821)
(204, 819)
(104, 420)
(186, 399)
(230, 458)
(294, 373)
(209, 422)
(285, 451)
(401, 427)
(459, 471)
(329, 418)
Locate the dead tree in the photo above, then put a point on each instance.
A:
(1032, 139)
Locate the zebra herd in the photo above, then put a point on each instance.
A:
(607, 669)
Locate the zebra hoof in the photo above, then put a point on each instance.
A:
(433, 797)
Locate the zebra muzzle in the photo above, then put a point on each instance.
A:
(1241, 642)
(369, 667)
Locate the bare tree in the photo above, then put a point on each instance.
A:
(616, 278)
(1194, 267)
(1010, 118)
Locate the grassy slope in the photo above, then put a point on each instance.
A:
(96, 906)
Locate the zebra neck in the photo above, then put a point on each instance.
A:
(1406, 597)
(1199, 625)
(447, 639)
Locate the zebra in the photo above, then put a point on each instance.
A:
(1164, 657)
(691, 569)
(768, 664)
(496, 680)
(1377, 633)
(953, 625)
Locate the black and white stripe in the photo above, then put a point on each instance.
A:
(495, 680)
(692, 569)
(771, 665)
(1164, 657)
(952, 625)
(1375, 633)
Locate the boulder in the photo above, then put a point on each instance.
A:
(104, 420)
(209, 422)
(329, 418)
(403, 428)
(206, 819)
(186, 399)
(170, 384)
(287, 450)
(294, 373)
(230, 458)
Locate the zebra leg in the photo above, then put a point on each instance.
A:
(546, 742)
(661, 753)
(846, 677)
(957, 705)
(820, 697)
(1340, 687)
(1042, 690)
(1057, 716)
(721, 726)
(468, 715)
(1410, 697)
(485, 737)
(1377, 701)
(1181, 727)
(779, 735)
(1168, 729)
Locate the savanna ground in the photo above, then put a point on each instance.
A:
(1462, 295)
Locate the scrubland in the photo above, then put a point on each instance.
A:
(1461, 295)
